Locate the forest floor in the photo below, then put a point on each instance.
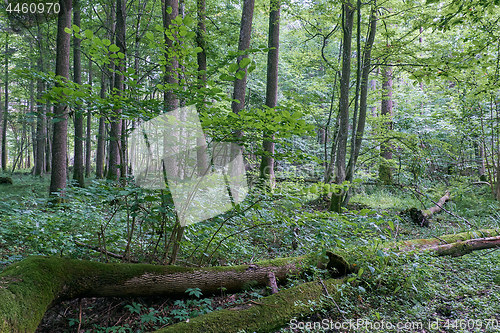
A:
(423, 292)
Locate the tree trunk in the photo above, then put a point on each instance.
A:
(385, 172)
(78, 171)
(358, 135)
(171, 102)
(60, 131)
(272, 312)
(101, 136)
(267, 163)
(6, 105)
(340, 168)
(40, 132)
(201, 57)
(116, 124)
(41, 282)
(243, 45)
(88, 139)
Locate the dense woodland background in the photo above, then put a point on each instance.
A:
(353, 117)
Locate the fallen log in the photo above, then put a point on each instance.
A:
(463, 247)
(29, 287)
(275, 311)
(421, 217)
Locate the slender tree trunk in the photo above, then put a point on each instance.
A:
(171, 102)
(1, 130)
(358, 134)
(201, 144)
(267, 163)
(6, 105)
(59, 142)
(48, 152)
(88, 140)
(340, 167)
(40, 132)
(385, 173)
(243, 45)
(78, 170)
(116, 124)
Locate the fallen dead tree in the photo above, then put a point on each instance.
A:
(275, 311)
(421, 217)
(28, 288)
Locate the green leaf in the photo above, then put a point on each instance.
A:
(106, 42)
(198, 50)
(245, 62)
(121, 55)
(89, 34)
(169, 10)
(188, 20)
(233, 68)
(114, 48)
(67, 30)
(76, 28)
(240, 75)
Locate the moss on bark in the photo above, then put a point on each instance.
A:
(266, 315)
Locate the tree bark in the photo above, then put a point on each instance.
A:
(385, 172)
(272, 312)
(78, 171)
(171, 102)
(243, 45)
(201, 57)
(60, 131)
(267, 163)
(358, 135)
(39, 282)
(88, 139)
(40, 131)
(340, 167)
(116, 124)
(6, 105)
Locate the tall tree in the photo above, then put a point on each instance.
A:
(106, 75)
(358, 133)
(59, 141)
(170, 12)
(243, 46)
(88, 139)
(6, 105)
(78, 170)
(40, 129)
(201, 57)
(267, 163)
(340, 167)
(385, 173)
(116, 124)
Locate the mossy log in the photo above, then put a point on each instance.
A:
(421, 217)
(265, 315)
(275, 311)
(28, 288)
(463, 247)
